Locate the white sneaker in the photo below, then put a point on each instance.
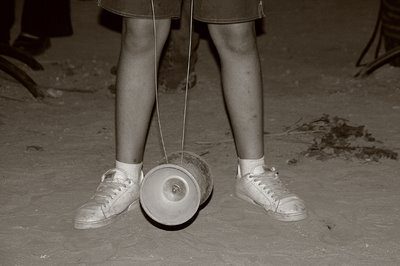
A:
(116, 194)
(263, 187)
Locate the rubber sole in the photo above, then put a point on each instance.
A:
(97, 224)
(275, 215)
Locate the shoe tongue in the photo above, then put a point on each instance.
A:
(115, 176)
(258, 170)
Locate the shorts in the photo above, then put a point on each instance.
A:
(210, 11)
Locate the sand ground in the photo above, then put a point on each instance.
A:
(53, 152)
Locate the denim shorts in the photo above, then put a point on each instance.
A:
(211, 11)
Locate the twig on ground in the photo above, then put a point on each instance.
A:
(11, 98)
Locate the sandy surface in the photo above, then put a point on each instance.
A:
(54, 152)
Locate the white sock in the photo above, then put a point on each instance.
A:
(249, 165)
(133, 170)
(29, 35)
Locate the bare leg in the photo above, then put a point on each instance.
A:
(135, 85)
(241, 77)
(119, 188)
(242, 84)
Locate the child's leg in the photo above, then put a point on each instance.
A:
(242, 84)
(241, 77)
(119, 188)
(135, 85)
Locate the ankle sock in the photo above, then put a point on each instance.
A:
(24, 34)
(133, 170)
(248, 165)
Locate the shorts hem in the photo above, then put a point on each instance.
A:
(130, 15)
(227, 21)
(177, 14)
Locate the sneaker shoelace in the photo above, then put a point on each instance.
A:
(269, 182)
(112, 182)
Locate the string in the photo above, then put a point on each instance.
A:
(187, 80)
(186, 85)
(156, 81)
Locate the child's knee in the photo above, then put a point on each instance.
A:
(137, 35)
(234, 38)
